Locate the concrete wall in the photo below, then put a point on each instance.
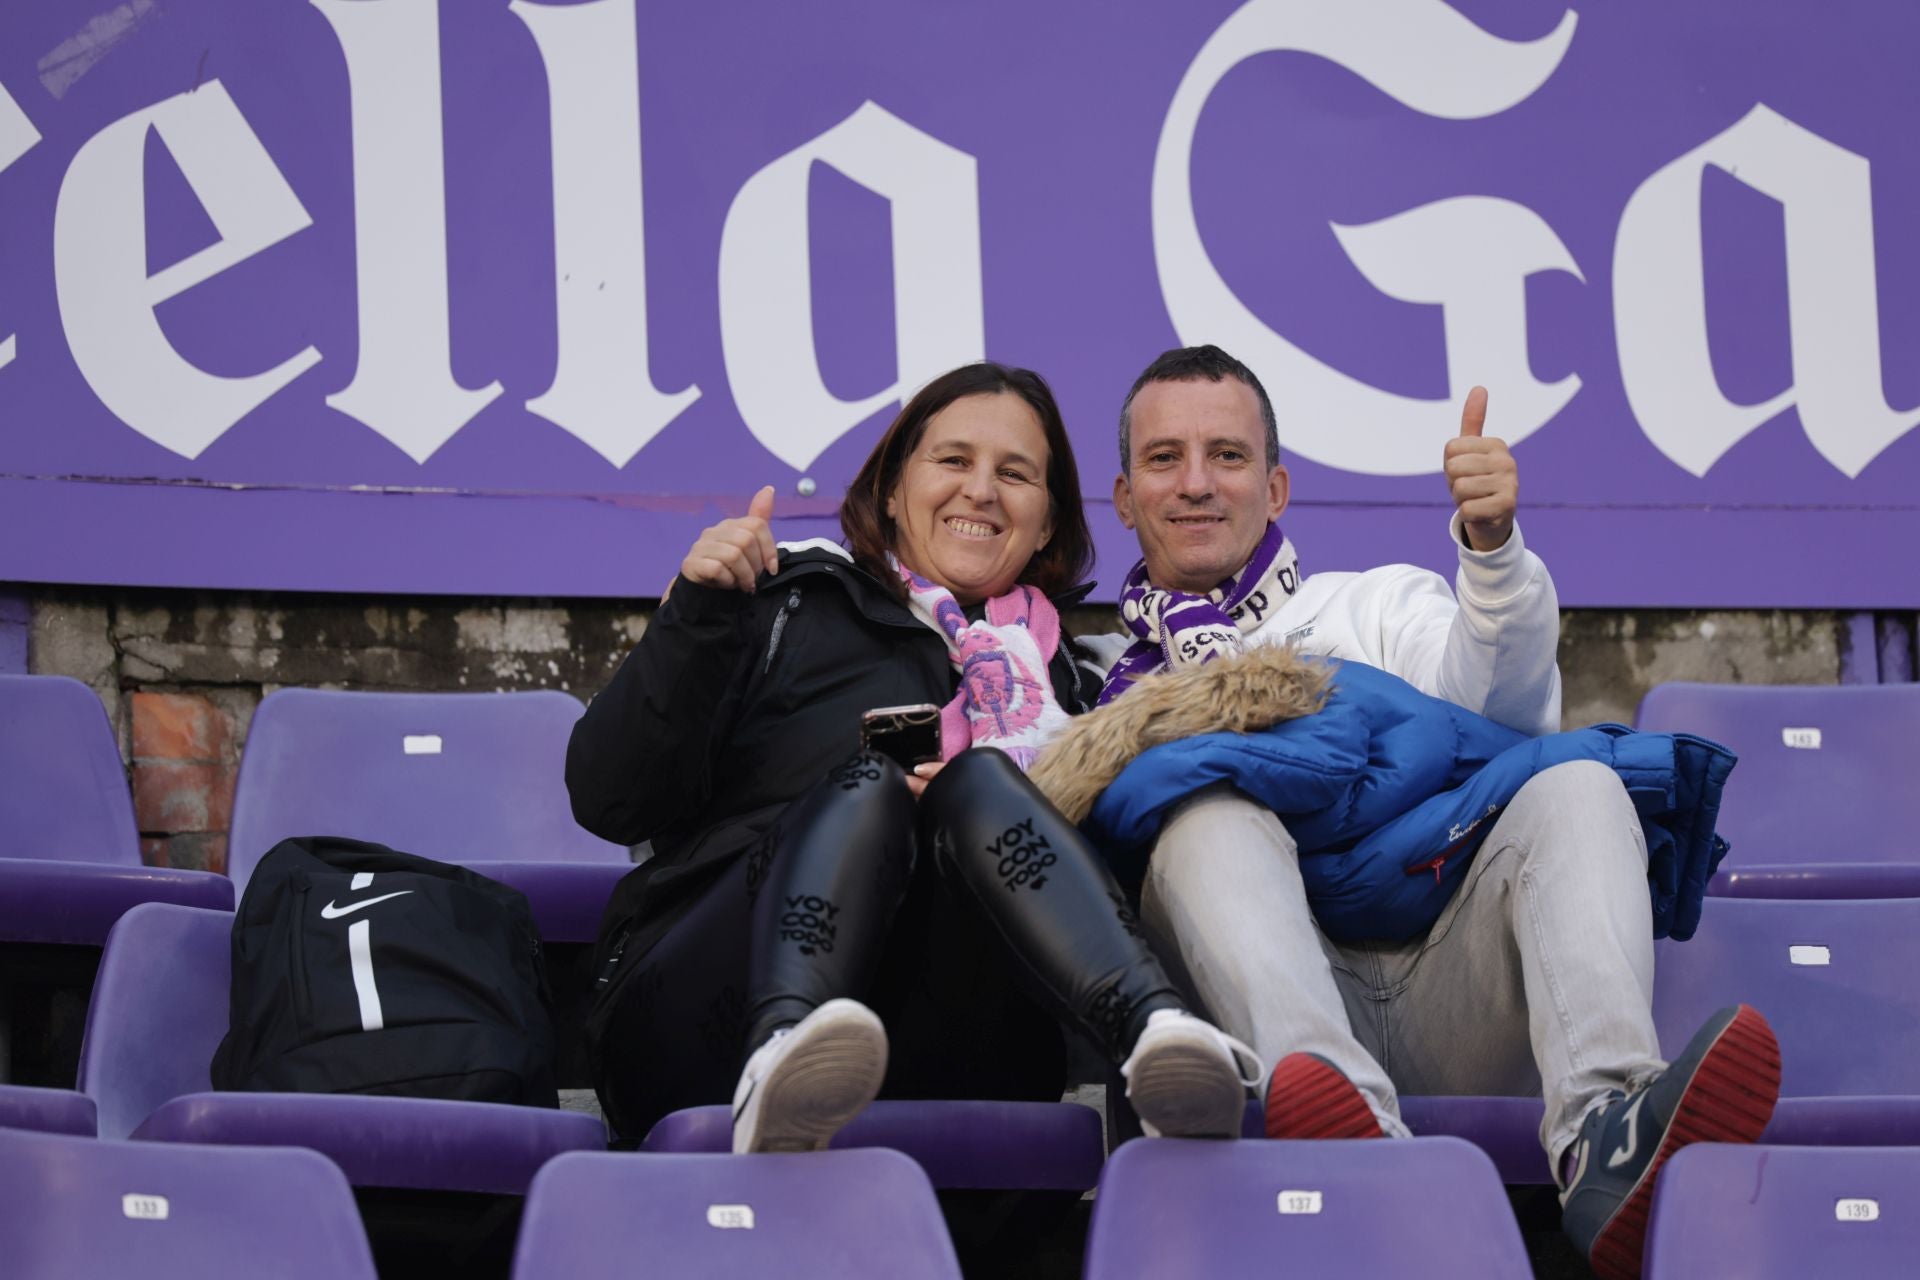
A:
(180, 672)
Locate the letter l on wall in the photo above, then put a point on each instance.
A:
(603, 389)
(403, 386)
(17, 137)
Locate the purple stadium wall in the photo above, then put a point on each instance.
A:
(369, 297)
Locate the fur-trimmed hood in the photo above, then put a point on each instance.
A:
(1254, 690)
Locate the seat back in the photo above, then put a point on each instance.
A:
(1770, 1213)
(47, 1110)
(827, 1214)
(158, 1012)
(1425, 1206)
(1834, 978)
(969, 1144)
(63, 792)
(1826, 773)
(466, 778)
(80, 1207)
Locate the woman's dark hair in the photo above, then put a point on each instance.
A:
(1061, 564)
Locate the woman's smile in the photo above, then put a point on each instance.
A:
(974, 529)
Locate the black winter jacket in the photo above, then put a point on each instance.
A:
(731, 706)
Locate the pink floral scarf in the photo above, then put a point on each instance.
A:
(1005, 698)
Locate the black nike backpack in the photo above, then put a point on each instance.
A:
(359, 969)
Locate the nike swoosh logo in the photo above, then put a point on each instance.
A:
(331, 912)
(1625, 1153)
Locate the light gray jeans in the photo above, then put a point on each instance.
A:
(1536, 979)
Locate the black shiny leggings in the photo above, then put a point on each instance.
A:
(973, 923)
(847, 851)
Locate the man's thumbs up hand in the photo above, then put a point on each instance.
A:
(1482, 476)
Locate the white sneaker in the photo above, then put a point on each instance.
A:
(808, 1080)
(1186, 1078)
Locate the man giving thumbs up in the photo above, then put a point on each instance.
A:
(1532, 973)
(1203, 487)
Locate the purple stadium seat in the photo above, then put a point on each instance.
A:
(470, 778)
(826, 1214)
(47, 1110)
(1836, 980)
(1823, 803)
(1430, 1207)
(75, 1207)
(1507, 1129)
(69, 853)
(63, 794)
(975, 1146)
(149, 1045)
(1769, 1213)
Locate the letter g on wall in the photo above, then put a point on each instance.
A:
(1468, 254)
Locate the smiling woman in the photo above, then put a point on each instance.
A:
(970, 508)
(843, 922)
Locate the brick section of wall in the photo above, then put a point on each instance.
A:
(185, 763)
(180, 672)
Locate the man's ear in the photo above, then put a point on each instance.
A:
(1123, 500)
(1278, 491)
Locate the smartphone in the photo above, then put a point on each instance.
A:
(907, 735)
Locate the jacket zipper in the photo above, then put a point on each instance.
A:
(613, 960)
(1439, 860)
(1073, 668)
(780, 625)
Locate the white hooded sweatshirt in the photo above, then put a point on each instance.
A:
(1489, 645)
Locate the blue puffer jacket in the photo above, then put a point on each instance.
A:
(1389, 793)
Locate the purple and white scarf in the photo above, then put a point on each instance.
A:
(1181, 629)
(1005, 699)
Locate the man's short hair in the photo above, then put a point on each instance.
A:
(1191, 364)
